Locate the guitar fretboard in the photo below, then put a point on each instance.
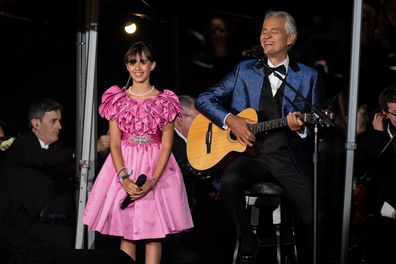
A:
(277, 123)
(268, 125)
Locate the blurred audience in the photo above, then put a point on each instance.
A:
(383, 147)
(103, 144)
(5, 141)
(381, 229)
(323, 44)
(385, 32)
(331, 177)
(218, 52)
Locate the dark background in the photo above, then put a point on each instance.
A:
(38, 57)
(38, 44)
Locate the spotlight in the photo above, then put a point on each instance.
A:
(130, 28)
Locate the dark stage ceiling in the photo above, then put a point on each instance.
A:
(38, 46)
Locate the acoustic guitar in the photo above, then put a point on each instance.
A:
(207, 144)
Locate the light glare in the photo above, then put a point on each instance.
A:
(130, 28)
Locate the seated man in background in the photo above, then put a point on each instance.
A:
(211, 223)
(179, 246)
(26, 188)
(35, 194)
(182, 126)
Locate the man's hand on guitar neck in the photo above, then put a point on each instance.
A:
(294, 122)
(239, 127)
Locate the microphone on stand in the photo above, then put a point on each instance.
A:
(256, 52)
(139, 182)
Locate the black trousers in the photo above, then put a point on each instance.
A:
(273, 162)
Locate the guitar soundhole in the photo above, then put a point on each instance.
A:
(232, 136)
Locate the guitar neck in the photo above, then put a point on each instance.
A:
(278, 123)
(268, 125)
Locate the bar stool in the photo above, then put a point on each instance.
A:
(254, 196)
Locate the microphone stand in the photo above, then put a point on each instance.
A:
(321, 119)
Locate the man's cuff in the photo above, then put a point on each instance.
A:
(387, 210)
(224, 124)
(303, 133)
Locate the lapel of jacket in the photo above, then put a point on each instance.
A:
(256, 84)
(293, 77)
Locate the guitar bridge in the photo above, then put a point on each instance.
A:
(208, 139)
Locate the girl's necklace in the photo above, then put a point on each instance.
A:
(140, 94)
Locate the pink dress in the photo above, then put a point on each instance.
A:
(164, 210)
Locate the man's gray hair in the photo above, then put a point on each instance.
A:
(186, 101)
(290, 23)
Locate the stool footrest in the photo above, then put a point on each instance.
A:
(264, 242)
(269, 195)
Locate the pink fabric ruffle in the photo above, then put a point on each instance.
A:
(144, 116)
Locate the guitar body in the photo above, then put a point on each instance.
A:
(222, 141)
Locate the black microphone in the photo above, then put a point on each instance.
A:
(139, 182)
(255, 52)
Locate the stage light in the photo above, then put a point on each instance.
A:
(130, 28)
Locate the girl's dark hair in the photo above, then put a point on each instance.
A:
(139, 48)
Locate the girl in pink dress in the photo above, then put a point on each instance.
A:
(141, 120)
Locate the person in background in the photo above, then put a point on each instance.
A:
(215, 57)
(102, 150)
(26, 189)
(284, 154)
(141, 123)
(207, 208)
(382, 145)
(182, 126)
(382, 148)
(385, 28)
(103, 144)
(331, 179)
(180, 247)
(5, 143)
(8, 133)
